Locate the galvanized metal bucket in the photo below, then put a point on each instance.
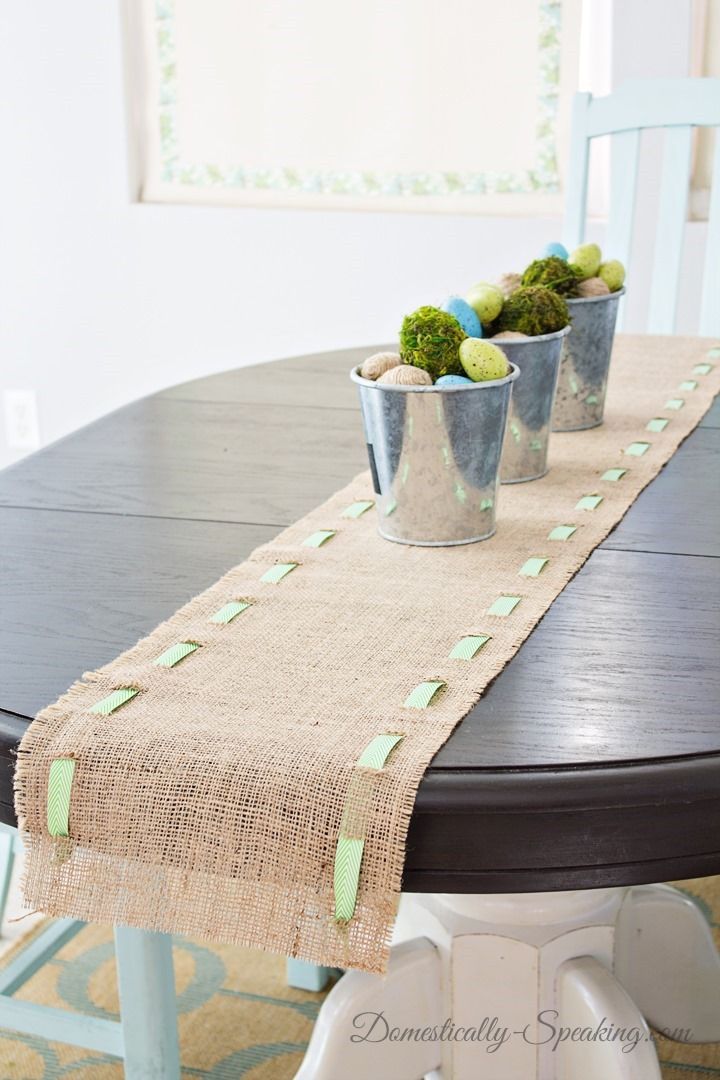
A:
(527, 436)
(585, 362)
(435, 456)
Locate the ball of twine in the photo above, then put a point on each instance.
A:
(377, 364)
(406, 375)
(508, 283)
(593, 286)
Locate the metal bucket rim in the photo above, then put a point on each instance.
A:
(434, 389)
(530, 339)
(595, 299)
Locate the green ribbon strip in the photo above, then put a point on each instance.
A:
(702, 369)
(349, 849)
(613, 475)
(346, 876)
(113, 701)
(317, 539)
(277, 572)
(422, 695)
(688, 385)
(534, 566)
(504, 605)
(674, 403)
(229, 611)
(175, 654)
(60, 778)
(588, 502)
(715, 351)
(357, 509)
(659, 423)
(637, 449)
(562, 532)
(378, 751)
(467, 647)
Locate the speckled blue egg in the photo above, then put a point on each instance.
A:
(555, 248)
(453, 380)
(465, 315)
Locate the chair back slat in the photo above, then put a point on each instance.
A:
(656, 103)
(623, 182)
(577, 178)
(710, 304)
(678, 106)
(672, 215)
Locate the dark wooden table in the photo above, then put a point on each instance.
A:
(594, 758)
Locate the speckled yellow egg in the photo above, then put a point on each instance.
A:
(482, 361)
(612, 273)
(487, 301)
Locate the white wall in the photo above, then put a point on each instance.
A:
(103, 300)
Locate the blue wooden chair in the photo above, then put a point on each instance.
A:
(145, 1037)
(677, 105)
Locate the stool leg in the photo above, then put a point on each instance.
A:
(147, 1004)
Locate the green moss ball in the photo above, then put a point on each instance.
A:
(553, 273)
(533, 310)
(430, 339)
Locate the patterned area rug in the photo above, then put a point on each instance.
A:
(237, 1016)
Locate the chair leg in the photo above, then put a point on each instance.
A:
(147, 1004)
(8, 839)
(305, 976)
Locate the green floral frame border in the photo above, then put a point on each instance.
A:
(543, 178)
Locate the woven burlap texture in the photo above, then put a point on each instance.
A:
(210, 804)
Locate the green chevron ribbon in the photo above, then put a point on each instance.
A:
(175, 654)
(637, 449)
(467, 647)
(317, 539)
(357, 509)
(113, 701)
(504, 605)
(346, 875)
(277, 572)
(229, 611)
(349, 849)
(62, 771)
(562, 532)
(534, 566)
(422, 695)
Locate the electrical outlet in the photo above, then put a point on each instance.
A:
(22, 431)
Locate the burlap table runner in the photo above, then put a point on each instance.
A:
(211, 802)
